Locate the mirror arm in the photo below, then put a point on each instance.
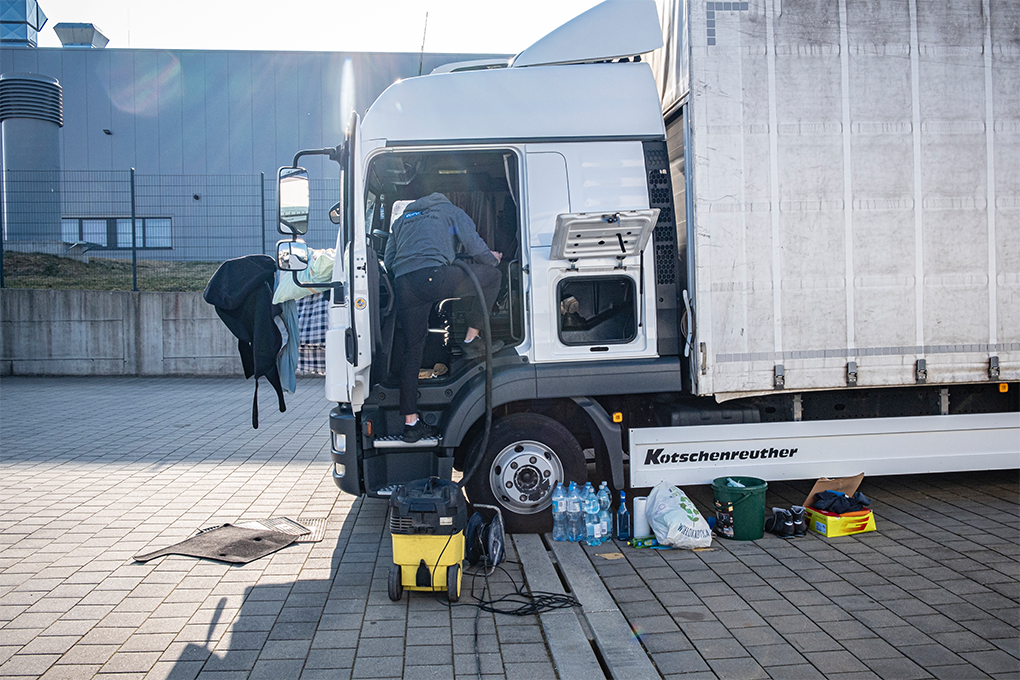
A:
(335, 154)
(336, 286)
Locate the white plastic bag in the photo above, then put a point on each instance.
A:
(675, 520)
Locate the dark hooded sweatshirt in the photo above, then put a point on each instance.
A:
(241, 290)
(426, 235)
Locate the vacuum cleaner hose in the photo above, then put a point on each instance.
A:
(472, 466)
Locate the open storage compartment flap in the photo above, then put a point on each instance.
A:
(617, 234)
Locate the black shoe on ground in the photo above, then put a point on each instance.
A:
(780, 523)
(419, 430)
(799, 524)
(476, 348)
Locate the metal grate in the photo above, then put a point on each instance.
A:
(309, 530)
(401, 525)
(660, 194)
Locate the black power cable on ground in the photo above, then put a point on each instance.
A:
(528, 603)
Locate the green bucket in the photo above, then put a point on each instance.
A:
(740, 512)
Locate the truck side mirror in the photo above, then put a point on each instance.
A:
(292, 202)
(292, 256)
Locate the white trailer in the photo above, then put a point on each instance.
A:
(797, 254)
(851, 178)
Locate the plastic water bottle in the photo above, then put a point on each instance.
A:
(605, 518)
(593, 525)
(623, 520)
(575, 520)
(559, 512)
(589, 528)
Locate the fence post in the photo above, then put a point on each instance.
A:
(262, 189)
(134, 237)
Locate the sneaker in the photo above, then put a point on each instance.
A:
(476, 348)
(419, 430)
(780, 523)
(799, 525)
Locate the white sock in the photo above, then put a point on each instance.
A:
(412, 424)
(468, 342)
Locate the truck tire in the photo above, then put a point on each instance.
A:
(527, 454)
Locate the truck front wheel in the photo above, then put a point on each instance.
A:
(527, 455)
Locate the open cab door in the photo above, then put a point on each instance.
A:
(348, 341)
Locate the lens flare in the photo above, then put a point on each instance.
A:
(145, 84)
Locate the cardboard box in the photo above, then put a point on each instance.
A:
(847, 485)
(830, 524)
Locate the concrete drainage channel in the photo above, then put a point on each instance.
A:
(595, 641)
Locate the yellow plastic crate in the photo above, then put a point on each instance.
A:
(830, 524)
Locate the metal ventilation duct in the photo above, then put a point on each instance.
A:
(28, 95)
(31, 116)
(80, 35)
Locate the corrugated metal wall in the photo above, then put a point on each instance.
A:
(207, 112)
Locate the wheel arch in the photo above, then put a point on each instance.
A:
(527, 453)
(584, 417)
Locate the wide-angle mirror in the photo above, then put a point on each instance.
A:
(292, 256)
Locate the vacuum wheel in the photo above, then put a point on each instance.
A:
(453, 583)
(395, 586)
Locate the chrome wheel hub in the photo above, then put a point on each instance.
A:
(523, 476)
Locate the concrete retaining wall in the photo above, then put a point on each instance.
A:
(81, 332)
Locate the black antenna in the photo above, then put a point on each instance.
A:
(421, 55)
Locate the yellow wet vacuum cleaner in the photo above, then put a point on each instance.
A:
(428, 518)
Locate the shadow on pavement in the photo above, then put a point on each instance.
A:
(288, 628)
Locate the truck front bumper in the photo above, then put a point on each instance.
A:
(343, 429)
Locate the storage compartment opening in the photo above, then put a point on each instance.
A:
(597, 311)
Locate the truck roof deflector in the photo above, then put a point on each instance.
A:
(611, 30)
(588, 235)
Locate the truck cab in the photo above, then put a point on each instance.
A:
(559, 158)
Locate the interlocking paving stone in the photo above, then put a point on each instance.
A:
(776, 654)
(740, 668)
(935, 592)
(862, 606)
(74, 509)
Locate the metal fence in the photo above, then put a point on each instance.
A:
(121, 230)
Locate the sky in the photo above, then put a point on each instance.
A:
(472, 26)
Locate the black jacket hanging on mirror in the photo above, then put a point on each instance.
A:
(241, 290)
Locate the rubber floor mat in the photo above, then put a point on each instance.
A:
(306, 529)
(227, 543)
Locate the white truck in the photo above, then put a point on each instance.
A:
(796, 254)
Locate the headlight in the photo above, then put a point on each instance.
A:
(339, 442)
(339, 469)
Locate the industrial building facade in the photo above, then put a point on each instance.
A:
(187, 142)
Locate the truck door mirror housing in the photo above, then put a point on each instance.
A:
(292, 202)
(292, 256)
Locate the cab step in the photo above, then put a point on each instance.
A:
(396, 442)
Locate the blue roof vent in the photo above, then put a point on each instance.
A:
(20, 23)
